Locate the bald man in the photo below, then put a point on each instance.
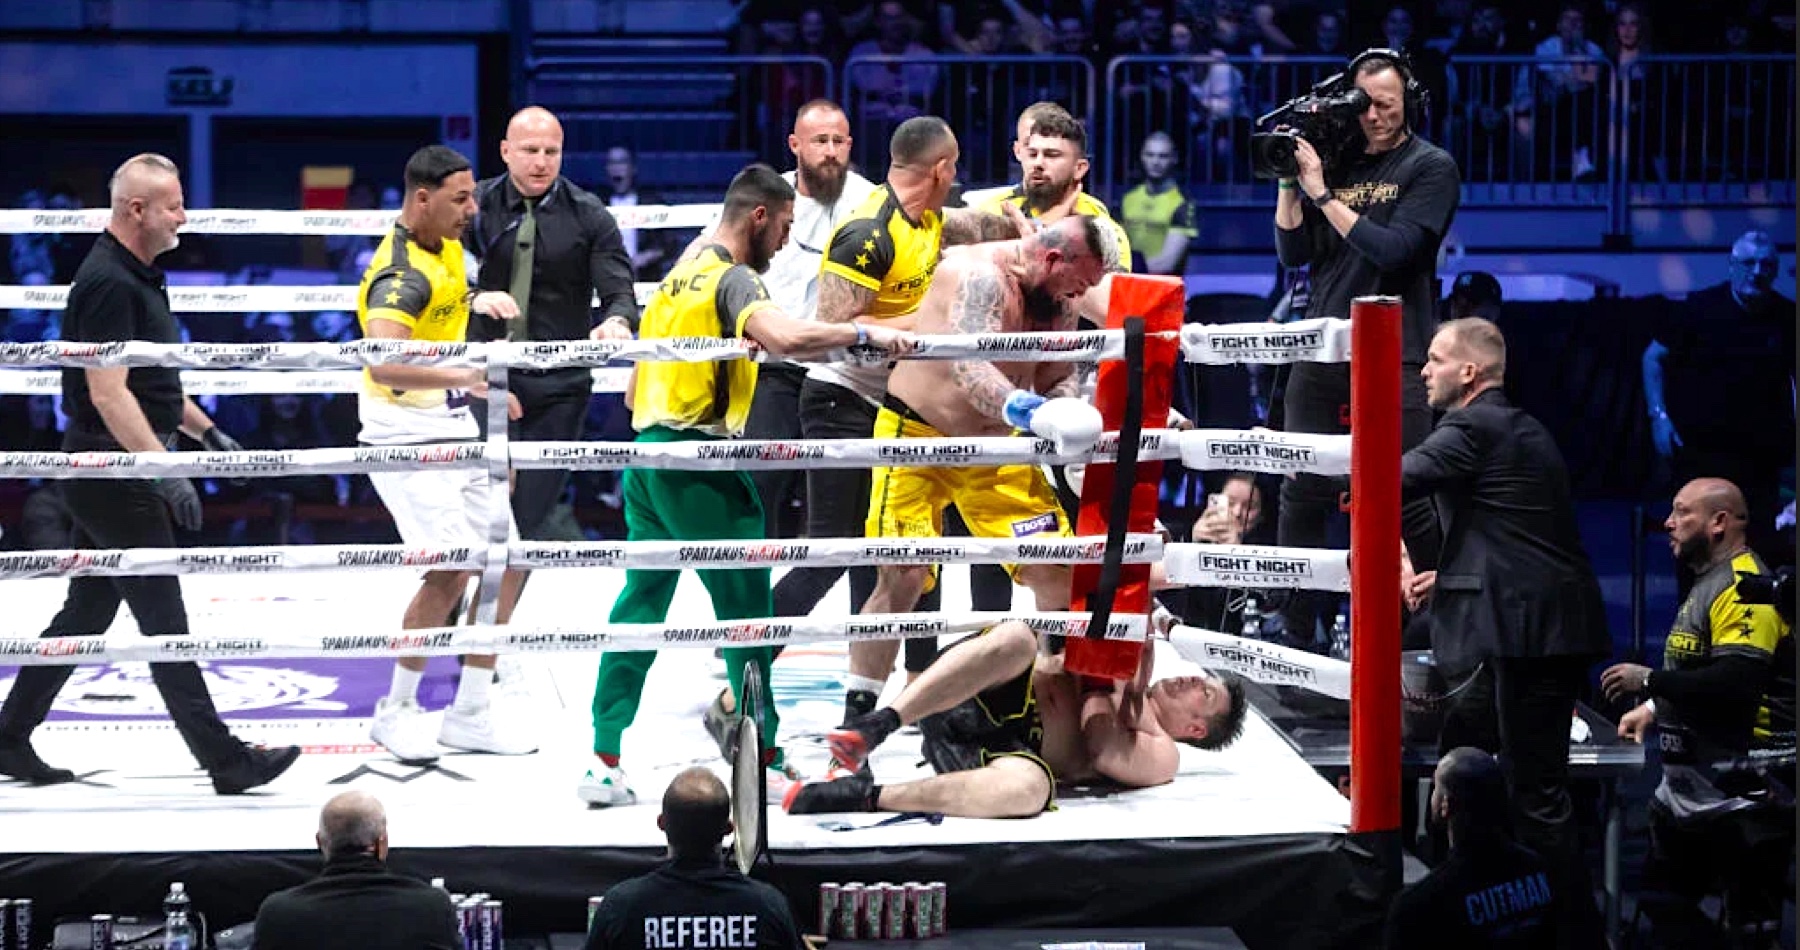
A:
(1725, 690)
(694, 900)
(356, 903)
(120, 295)
(1516, 613)
(1719, 387)
(553, 247)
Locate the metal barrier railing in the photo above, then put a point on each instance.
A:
(980, 96)
(1708, 128)
(737, 106)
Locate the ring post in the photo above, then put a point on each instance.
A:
(487, 604)
(1375, 335)
(1161, 302)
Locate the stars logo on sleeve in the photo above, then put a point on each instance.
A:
(393, 297)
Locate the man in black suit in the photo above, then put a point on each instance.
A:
(356, 903)
(1516, 615)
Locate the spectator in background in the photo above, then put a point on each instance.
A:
(1564, 99)
(883, 95)
(1448, 26)
(1474, 293)
(356, 903)
(1480, 97)
(694, 892)
(1233, 515)
(1157, 217)
(1327, 34)
(1491, 893)
(1718, 384)
(651, 250)
(821, 35)
(33, 326)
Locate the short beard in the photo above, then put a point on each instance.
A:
(823, 186)
(1695, 552)
(1040, 306)
(1449, 399)
(758, 259)
(1046, 196)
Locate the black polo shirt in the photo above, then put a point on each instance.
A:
(695, 906)
(579, 253)
(1499, 897)
(115, 298)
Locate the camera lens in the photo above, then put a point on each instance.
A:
(1272, 155)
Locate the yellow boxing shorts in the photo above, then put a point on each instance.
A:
(1003, 501)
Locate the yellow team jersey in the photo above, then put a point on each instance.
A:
(428, 293)
(708, 295)
(1150, 218)
(878, 247)
(1084, 204)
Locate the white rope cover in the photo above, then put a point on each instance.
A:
(600, 637)
(1278, 453)
(228, 382)
(371, 223)
(1263, 662)
(673, 555)
(1236, 565)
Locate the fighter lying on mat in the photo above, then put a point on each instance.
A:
(1002, 725)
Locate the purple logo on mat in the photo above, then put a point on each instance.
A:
(294, 689)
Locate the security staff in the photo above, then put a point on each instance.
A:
(118, 296)
(1369, 224)
(694, 900)
(552, 246)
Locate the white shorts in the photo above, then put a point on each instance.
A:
(440, 508)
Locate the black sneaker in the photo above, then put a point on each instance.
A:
(20, 761)
(722, 726)
(840, 792)
(858, 703)
(259, 766)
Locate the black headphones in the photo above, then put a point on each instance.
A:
(1417, 98)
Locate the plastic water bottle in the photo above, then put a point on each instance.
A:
(1340, 637)
(1252, 620)
(178, 932)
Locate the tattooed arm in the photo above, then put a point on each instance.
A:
(979, 307)
(968, 226)
(840, 300)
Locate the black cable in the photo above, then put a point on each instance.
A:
(1131, 431)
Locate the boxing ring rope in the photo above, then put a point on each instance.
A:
(1370, 457)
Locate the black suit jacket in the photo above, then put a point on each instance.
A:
(1513, 579)
(356, 903)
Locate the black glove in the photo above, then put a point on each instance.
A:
(216, 440)
(183, 501)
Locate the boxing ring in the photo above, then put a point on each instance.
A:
(1249, 837)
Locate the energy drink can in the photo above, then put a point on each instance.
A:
(874, 912)
(467, 924)
(100, 932)
(21, 915)
(493, 925)
(893, 925)
(849, 911)
(829, 895)
(918, 910)
(940, 908)
(593, 908)
(6, 927)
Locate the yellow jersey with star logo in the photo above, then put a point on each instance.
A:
(878, 247)
(1084, 204)
(707, 295)
(428, 293)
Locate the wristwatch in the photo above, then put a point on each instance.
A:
(1322, 200)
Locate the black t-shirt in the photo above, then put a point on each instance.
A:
(693, 907)
(116, 297)
(1407, 197)
(1726, 377)
(1494, 898)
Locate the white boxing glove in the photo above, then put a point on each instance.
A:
(1072, 425)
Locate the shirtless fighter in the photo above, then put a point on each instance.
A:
(1034, 283)
(1002, 725)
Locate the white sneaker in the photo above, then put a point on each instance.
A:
(404, 730)
(480, 730)
(778, 781)
(604, 786)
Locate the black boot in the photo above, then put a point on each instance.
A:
(259, 766)
(20, 761)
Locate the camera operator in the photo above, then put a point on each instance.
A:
(1370, 222)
